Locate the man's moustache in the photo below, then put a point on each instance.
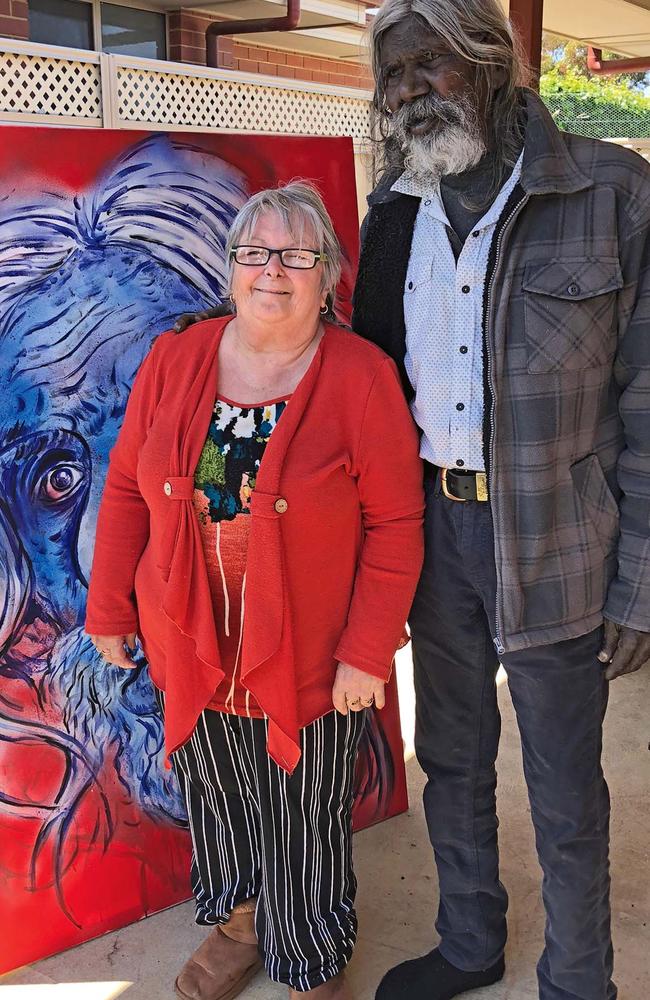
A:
(444, 112)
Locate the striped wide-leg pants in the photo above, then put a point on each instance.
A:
(287, 839)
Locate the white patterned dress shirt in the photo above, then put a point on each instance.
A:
(443, 313)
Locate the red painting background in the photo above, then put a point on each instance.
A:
(146, 865)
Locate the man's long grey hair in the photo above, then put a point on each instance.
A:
(480, 33)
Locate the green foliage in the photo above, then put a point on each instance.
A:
(601, 107)
(565, 55)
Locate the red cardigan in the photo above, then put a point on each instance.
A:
(335, 546)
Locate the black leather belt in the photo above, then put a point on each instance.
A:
(461, 485)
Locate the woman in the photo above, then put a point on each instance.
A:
(260, 531)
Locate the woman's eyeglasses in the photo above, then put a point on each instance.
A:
(302, 260)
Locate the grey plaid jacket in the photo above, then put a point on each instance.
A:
(567, 366)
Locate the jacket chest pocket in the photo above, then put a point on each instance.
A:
(570, 313)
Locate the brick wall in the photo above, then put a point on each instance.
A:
(187, 44)
(298, 66)
(187, 36)
(14, 19)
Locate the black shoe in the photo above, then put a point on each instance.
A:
(434, 978)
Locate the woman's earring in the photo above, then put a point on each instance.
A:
(232, 299)
(324, 310)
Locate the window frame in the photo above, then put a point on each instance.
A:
(96, 20)
(138, 5)
(93, 30)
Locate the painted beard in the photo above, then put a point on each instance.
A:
(453, 144)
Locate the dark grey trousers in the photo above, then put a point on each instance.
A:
(560, 697)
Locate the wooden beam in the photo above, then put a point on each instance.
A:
(526, 16)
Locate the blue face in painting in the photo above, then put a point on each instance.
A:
(75, 342)
(44, 485)
(86, 284)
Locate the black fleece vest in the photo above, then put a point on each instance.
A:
(378, 301)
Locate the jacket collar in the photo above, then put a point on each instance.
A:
(548, 167)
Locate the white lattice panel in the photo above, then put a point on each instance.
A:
(31, 84)
(183, 100)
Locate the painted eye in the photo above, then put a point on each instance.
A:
(60, 482)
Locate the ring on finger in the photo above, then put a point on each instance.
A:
(356, 701)
(367, 704)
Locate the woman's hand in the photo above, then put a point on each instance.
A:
(355, 690)
(188, 319)
(113, 649)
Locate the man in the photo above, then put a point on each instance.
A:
(506, 269)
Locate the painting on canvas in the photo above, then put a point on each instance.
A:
(106, 237)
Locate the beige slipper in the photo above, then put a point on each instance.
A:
(224, 964)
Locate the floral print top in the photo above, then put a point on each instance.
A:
(223, 484)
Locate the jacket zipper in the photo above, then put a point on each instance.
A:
(498, 630)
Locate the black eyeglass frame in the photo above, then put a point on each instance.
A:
(271, 250)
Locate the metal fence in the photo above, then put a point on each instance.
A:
(582, 116)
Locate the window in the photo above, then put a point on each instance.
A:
(61, 22)
(131, 32)
(90, 24)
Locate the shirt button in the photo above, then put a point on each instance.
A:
(168, 489)
(410, 285)
(465, 289)
(428, 201)
(574, 288)
(476, 233)
(281, 506)
(463, 349)
(460, 406)
(459, 461)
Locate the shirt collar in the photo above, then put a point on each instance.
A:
(429, 194)
(408, 183)
(431, 199)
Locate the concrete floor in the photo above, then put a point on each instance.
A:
(397, 887)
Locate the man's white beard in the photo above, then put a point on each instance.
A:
(454, 145)
(452, 149)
